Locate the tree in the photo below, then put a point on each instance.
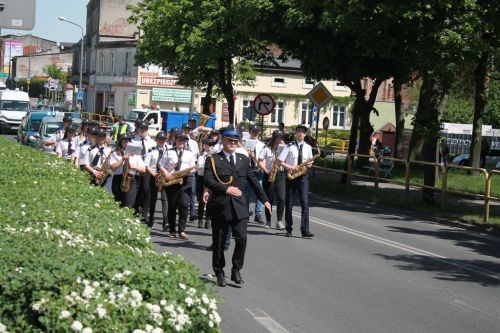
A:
(56, 72)
(201, 41)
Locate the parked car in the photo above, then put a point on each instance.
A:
(48, 128)
(492, 159)
(57, 108)
(29, 126)
(14, 105)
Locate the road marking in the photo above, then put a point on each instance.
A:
(265, 320)
(466, 307)
(403, 247)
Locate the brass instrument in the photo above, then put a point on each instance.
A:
(301, 169)
(177, 177)
(105, 170)
(274, 170)
(160, 181)
(202, 121)
(127, 177)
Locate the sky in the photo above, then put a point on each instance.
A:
(48, 26)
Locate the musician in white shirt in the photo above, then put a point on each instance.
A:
(96, 155)
(66, 148)
(254, 147)
(178, 195)
(296, 153)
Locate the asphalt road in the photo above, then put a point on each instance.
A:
(367, 270)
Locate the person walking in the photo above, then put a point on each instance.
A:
(254, 147)
(293, 156)
(206, 146)
(269, 163)
(226, 174)
(152, 162)
(120, 127)
(176, 160)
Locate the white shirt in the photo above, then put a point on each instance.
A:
(192, 146)
(134, 160)
(152, 157)
(217, 148)
(148, 142)
(202, 158)
(241, 150)
(63, 145)
(91, 153)
(290, 155)
(171, 157)
(82, 149)
(259, 145)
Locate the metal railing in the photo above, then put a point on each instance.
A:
(444, 189)
(98, 117)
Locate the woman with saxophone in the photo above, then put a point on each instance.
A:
(96, 160)
(178, 165)
(125, 169)
(274, 176)
(296, 156)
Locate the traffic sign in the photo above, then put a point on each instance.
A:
(19, 15)
(264, 104)
(3, 75)
(79, 96)
(319, 95)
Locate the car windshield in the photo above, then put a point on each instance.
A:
(132, 115)
(52, 128)
(14, 106)
(35, 124)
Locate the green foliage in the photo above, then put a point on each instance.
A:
(73, 260)
(56, 72)
(36, 86)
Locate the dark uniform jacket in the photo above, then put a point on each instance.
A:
(222, 206)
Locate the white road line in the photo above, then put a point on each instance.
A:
(467, 307)
(403, 247)
(266, 321)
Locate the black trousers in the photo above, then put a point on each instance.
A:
(199, 192)
(143, 198)
(178, 197)
(277, 190)
(126, 199)
(152, 206)
(219, 234)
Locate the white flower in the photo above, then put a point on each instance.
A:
(19, 269)
(182, 286)
(157, 330)
(76, 326)
(189, 301)
(163, 302)
(78, 280)
(64, 314)
(87, 330)
(149, 328)
(37, 305)
(3, 328)
(88, 291)
(118, 276)
(155, 308)
(126, 273)
(138, 331)
(136, 295)
(101, 312)
(211, 323)
(205, 299)
(217, 318)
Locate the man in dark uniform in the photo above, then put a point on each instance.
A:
(226, 174)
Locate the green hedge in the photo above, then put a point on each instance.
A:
(72, 260)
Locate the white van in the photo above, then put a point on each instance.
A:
(14, 105)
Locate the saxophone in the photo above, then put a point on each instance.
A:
(105, 170)
(274, 170)
(301, 169)
(127, 177)
(160, 181)
(177, 177)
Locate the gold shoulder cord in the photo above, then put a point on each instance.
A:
(216, 175)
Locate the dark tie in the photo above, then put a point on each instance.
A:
(143, 151)
(178, 166)
(159, 158)
(231, 159)
(70, 148)
(300, 154)
(97, 156)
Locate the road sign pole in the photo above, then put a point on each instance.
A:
(317, 123)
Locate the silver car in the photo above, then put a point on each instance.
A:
(48, 129)
(492, 159)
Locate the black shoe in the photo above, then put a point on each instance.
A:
(288, 234)
(258, 219)
(221, 281)
(307, 233)
(200, 224)
(208, 225)
(164, 228)
(236, 277)
(151, 223)
(209, 248)
(193, 218)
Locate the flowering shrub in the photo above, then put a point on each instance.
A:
(73, 261)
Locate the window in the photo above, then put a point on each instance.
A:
(248, 113)
(278, 82)
(308, 83)
(127, 63)
(339, 116)
(101, 62)
(112, 62)
(339, 87)
(306, 113)
(277, 115)
(84, 66)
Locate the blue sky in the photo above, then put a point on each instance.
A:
(49, 27)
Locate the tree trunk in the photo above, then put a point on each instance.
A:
(482, 86)
(426, 133)
(225, 67)
(208, 98)
(365, 126)
(400, 119)
(354, 133)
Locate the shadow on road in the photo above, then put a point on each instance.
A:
(458, 270)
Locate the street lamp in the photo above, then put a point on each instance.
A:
(81, 51)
